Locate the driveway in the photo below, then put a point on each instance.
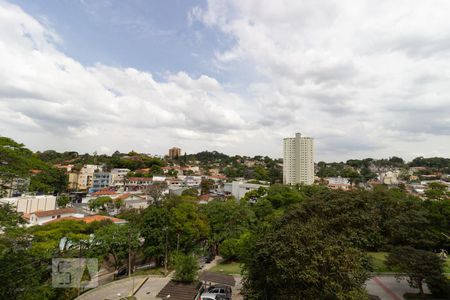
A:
(388, 288)
(151, 288)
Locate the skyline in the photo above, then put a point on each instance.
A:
(231, 76)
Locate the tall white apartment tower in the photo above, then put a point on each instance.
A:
(298, 160)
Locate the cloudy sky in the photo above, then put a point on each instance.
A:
(364, 78)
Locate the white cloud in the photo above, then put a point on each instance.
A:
(365, 78)
(45, 91)
(372, 73)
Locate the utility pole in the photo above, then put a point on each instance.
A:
(129, 252)
(166, 255)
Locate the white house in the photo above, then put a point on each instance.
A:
(389, 177)
(238, 189)
(42, 217)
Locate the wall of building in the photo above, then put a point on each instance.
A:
(29, 204)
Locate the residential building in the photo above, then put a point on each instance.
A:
(238, 189)
(29, 204)
(118, 176)
(86, 176)
(138, 183)
(136, 201)
(298, 160)
(73, 181)
(101, 180)
(174, 152)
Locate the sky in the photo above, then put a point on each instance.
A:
(366, 78)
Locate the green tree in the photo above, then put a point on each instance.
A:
(156, 190)
(189, 225)
(227, 219)
(437, 191)
(205, 186)
(156, 228)
(62, 201)
(101, 203)
(115, 241)
(298, 258)
(418, 265)
(231, 249)
(186, 267)
(193, 192)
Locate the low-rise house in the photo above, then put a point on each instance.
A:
(238, 189)
(137, 183)
(134, 201)
(159, 178)
(43, 217)
(390, 177)
(336, 183)
(174, 183)
(192, 181)
(217, 178)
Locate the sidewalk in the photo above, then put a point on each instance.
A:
(114, 290)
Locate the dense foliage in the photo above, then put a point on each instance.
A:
(293, 241)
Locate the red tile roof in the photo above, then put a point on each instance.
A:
(122, 197)
(205, 197)
(54, 212)
(103, 192)
(88, 219)
(65, 219)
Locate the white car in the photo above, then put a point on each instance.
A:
(208, 296)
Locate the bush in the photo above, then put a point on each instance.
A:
(186, 267)
(439, 286)
(230, 249)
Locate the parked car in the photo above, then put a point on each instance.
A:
(209, 258)
(208, 296)
(211, 296)
(121, 272)
(221, 290)
(201, 262)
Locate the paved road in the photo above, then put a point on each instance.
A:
(388, 288)
(114, 290)
(385, 287)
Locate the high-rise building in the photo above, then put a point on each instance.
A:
(174, 152)
(298, 160)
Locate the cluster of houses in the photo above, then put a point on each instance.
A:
(414, 184)
(43, 209)
(93, 181)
